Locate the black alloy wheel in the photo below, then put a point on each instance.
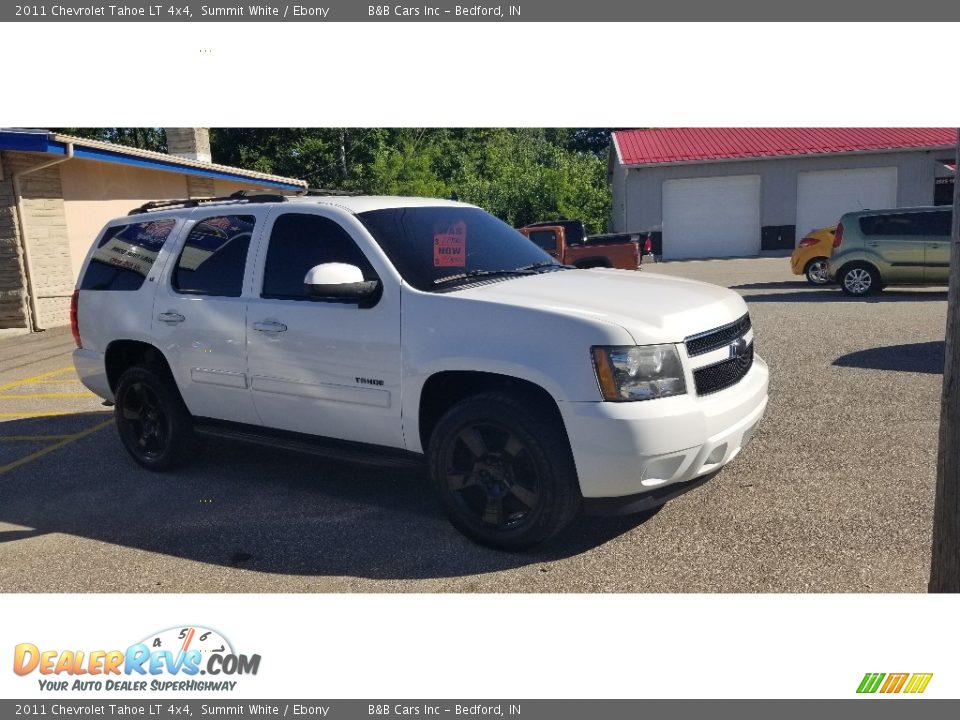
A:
(147, 425)
(502, 466)
(154, 424)
(491, 475)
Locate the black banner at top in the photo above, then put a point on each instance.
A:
(513, 11)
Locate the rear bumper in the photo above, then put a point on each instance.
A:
(92, 371)
(626, 449)
(799, 260)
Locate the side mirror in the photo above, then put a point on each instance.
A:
(339, 281)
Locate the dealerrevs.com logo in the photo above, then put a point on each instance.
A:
(174, 659)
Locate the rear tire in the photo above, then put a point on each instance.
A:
(859, 280)
(816, 271)
(154, 424)
(503, 470)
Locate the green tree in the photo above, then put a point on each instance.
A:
(521, 175)
(142, 138)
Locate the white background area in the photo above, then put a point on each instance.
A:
(519, 647)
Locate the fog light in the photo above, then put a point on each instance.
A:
(717, 455)
(660, 471)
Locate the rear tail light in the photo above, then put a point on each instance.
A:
(808, 242)
(74, 321)
(838, 236)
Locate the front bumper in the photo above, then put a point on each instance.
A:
(631, 504)
(625, 449)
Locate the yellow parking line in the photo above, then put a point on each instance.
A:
(25, 381)
(74, 381)
(50, 448)
(33, 438)
(39, 414)
(38, 396)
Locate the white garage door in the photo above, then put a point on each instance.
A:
(823, 196)
(711, 217)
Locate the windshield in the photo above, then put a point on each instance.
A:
(440, 248)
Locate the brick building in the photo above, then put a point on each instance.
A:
(57, 191)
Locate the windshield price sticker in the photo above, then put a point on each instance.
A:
(450, 246)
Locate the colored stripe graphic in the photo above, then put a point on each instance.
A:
(894, 683)
(870, 682)
(918, 683)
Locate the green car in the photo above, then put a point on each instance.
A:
(876, 248)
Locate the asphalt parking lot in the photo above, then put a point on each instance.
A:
(835, 492)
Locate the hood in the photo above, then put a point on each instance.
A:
(652, 308)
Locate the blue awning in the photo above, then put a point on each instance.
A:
(43, 142)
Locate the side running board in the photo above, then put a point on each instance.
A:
(339, 450)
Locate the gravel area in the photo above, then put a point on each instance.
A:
(834, 493)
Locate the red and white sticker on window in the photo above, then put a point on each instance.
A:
(450, 246)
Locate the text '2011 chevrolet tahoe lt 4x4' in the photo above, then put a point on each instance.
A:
(408, 330)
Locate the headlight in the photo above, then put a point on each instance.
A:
(639, 372)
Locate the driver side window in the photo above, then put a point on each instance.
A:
(299, 242)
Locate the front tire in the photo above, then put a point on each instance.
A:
(816, 271)
(859, 280)
(154, 424)
(504, 471)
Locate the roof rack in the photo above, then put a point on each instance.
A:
(319, 192)
(241, 196)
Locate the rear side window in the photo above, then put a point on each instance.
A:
(125, 255)
(918, 224)
(938, 223)
(214, 256)
(299, 242)
(546, 239)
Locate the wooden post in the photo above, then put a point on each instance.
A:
(945, 560)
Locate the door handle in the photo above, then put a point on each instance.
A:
(171, 317)
(270, 326)
(933, 247)
(873, 244)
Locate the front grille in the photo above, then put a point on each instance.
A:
(717, 338)
(722, 375)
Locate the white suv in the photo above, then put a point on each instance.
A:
(406, 330)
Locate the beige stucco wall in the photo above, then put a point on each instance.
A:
(65, 208)
(222, 188)
(95, 192)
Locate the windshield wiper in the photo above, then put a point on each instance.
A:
(546, 264)
(483, 273)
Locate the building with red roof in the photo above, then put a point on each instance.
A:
(720, 192)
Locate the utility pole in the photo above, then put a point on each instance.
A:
(945, 560)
